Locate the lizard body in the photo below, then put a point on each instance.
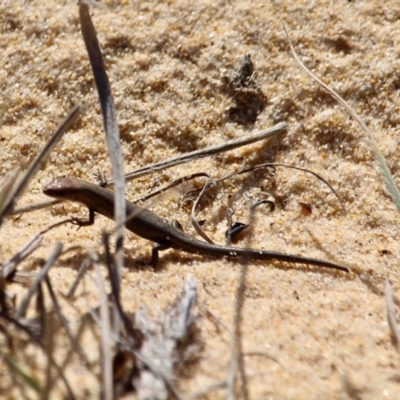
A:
(150, 226)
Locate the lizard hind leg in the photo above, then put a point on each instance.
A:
(154, 253)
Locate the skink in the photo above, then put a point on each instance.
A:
(150, 226)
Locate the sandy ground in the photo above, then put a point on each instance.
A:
(308, 333)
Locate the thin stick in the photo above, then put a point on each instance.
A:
(184, 158)
(43, 272)
(266, 165)
(82, 270)
(8, 268)
(175, 182)
(207, 152)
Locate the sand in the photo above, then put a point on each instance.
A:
(307, 333)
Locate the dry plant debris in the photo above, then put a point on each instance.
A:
(249, 100)
(171, 343)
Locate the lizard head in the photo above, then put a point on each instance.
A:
(63, 188)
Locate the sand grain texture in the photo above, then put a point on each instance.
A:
(166, 62)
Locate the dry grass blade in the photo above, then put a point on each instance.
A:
(43, 272)
(9, 267)
(61, 129)
(6, 187)
(17, 370)
(391, 314)
(174, 183)
(237, 359)
(83, 324)
(387, 176)
(273, 165)
(64, 322)
(34, 207)
(319, 177)
(106, 333)
(207, 152)
(21, 327)
(116, 292)
(82, 270)
(110, 125)
(212, 317)
(113, 274)
(48, 333)
(40, 323)
(195, 223)
(4, 308)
